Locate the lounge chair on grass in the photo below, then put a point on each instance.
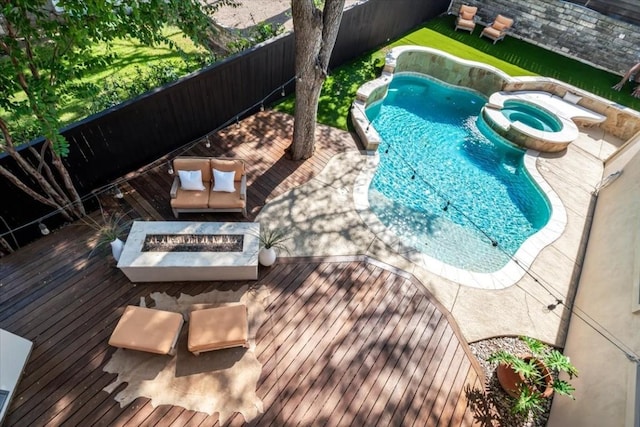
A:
(466, 16)
(498, 28)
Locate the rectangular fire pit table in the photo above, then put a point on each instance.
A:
(196, 264)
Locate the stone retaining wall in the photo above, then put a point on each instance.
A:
(566, 28)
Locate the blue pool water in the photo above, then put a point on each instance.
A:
(530, 116)
(444, 187)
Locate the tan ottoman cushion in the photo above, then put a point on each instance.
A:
(218, 328)
(147, 329)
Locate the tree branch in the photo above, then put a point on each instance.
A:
(331, 18)
(35, 195)
(60, 199)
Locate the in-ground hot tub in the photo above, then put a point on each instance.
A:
(534, 117)
(524, 121)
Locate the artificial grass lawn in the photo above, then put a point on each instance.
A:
(514, 57)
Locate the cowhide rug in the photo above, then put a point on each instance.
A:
(222, 381)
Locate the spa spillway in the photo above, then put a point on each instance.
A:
(527, 122)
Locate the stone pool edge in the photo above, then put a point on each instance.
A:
(508, 275)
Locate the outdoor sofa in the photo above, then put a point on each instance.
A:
(205, 184)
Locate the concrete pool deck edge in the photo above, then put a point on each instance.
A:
(323, 221)
(510, 273)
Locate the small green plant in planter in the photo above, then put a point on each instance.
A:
(532, 378)
(271, 241)
(109, 229)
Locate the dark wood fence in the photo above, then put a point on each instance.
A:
(112, 143)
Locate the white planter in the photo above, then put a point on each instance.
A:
(267, 256)
(116, 248)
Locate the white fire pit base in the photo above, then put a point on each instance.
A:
(141, 266)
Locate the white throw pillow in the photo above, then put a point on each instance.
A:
(572, 98)
(191, 180)
(223, 181)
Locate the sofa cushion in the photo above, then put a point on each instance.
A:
(194, 163)
(226, 165)
(467, 16)
(191, 180)
(192, 199)
(221, 200)
(506, 22)
(491, 32)
(572, 98)
(500, 26)
(223, 181)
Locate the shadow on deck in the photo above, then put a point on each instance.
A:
(348, 340)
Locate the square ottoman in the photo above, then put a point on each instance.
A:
(218, 328)
(147, 329)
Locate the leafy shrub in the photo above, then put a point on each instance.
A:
(261, 32)
(115, 91)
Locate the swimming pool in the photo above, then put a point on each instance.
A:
(445, 188)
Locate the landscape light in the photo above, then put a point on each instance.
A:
(43, 229)
(117, 193)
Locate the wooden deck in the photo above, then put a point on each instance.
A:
(260, 140)
(348, 341)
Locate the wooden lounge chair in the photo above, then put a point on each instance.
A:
(498, 28)
(465, 20)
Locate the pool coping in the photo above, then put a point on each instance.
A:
(508, 275)
(374, 91)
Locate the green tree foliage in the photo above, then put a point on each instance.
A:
(43, 44)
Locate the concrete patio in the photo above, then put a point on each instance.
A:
(323, 221)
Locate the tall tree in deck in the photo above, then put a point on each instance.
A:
(45, 42)
(315, 32)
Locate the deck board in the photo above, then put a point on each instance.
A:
(346, 340)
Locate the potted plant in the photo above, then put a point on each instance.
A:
(271, 241)
(531, 378)
(109, 229)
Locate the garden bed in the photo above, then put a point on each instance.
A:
(493, 408)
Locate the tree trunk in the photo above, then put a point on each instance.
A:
(315, 33)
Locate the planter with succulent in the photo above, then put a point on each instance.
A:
(109, 229)
(271, 241)
(531, 378)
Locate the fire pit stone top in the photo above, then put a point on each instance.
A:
(141, 265)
